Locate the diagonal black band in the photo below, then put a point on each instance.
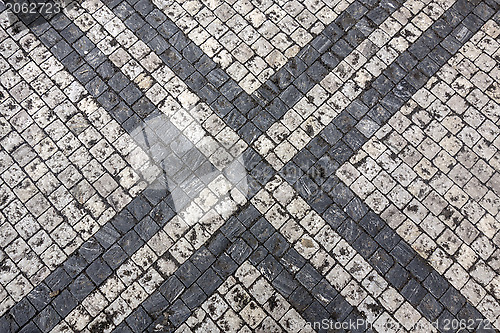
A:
(250, 115)
(118, 239)
(380, 245)
(351, 139)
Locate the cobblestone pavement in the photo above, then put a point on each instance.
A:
(250, 166)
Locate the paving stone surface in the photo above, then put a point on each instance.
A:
(250, 166)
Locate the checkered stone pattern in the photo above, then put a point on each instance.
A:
(249, 166)
(61, 154)
(191, 152)
(251, 39)
(244, 303)
(432, 172)
(339, 88)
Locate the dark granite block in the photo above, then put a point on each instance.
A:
(138, 320)
(285, 283)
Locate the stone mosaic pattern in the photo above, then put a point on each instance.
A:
(246, 166)
(252, 39)
(434, 165)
